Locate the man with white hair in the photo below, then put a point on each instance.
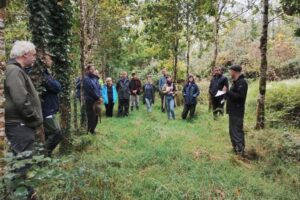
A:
(23, 114)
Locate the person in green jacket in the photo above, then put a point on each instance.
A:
(23, 112)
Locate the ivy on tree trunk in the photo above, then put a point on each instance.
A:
(50, 24)
(2, 68)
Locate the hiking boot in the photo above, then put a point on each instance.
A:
(31, 194)
(239, 151)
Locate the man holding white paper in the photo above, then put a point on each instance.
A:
(218, 82)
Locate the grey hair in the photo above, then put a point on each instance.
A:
(108, 79)
(20, 48)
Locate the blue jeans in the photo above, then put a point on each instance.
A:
(170, 105)
(149, 104)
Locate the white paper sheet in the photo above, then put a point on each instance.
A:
(219, 93)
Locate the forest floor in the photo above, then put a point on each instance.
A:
(145, 156)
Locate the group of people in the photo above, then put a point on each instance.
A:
(26, 110)
(127, 93)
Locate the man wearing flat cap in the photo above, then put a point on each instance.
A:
(236, 98)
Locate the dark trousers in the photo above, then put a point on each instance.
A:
(188, 108)
(53, 134)
(109, 108)
(123, 107)
(92, 117)
(218, 106)
(21, 138)
(236, 130)
(162, 97)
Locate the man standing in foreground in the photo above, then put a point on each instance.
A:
(236, 98)
(50, 106)
(23, 112)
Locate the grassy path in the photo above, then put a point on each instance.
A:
(146, 156)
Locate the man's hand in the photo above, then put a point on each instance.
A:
(41, 133)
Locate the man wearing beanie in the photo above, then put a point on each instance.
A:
(236, 98)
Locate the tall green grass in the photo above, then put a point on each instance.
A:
(145, 156)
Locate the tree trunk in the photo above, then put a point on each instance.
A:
(2, 68)
(215, 56)
(175, 55)
(260, 120)
(175, 50)
(188, 41)
(216, 41)
(83, 38)
(75, 111)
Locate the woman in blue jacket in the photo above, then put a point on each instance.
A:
(190, 93)
(110, 96)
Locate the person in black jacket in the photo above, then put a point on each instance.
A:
(236, 98)
(123, 94)
(50, 106)
(190, 93)
(218, 82)
(135, 87)
(92, 95)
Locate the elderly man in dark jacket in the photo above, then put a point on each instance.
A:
(218, 82)
(50, 106)
(236, 98)
(92, 94)
(190, 93)
(23, 113)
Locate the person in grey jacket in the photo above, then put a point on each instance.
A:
(123, 94)
(161, 83)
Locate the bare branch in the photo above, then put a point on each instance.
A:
(276, 17)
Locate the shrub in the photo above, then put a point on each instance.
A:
(291, 69)
(283, 102)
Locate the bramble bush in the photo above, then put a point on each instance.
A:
(283, 103)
